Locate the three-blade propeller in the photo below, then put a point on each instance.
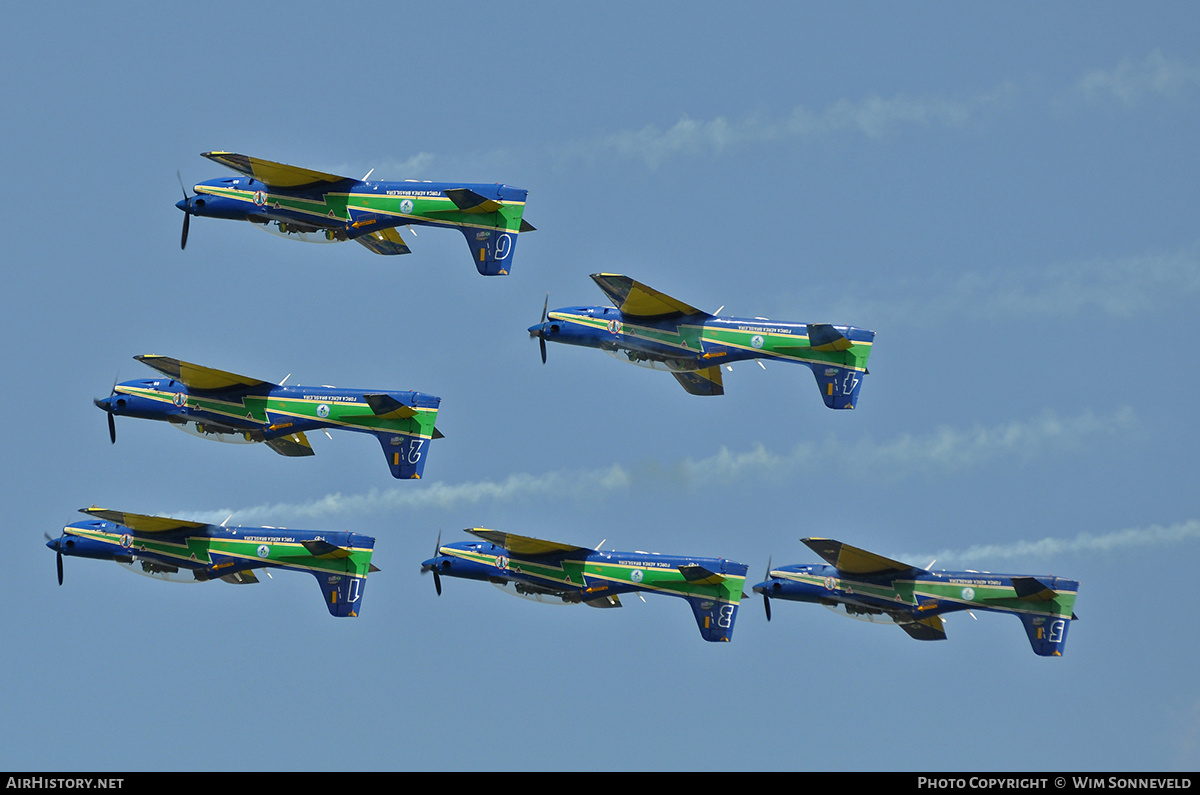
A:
(437, 579)
(187, 215)
(767, 599)
(107, 406)
(57, 555)
(541, 329)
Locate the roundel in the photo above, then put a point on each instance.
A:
(968, 593)
(831, 583)
(406, 206)
(263, 550)
(614, 326)
(126, 540)
(179, 399)
(260, 198)
(756, 341)
(501, 562)
(323, 410)
(636, 575)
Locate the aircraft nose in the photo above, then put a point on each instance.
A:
(762, 586)
(103, 403)
(535, 330)
(184, 204)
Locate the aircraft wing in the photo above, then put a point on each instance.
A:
(270, 173)
(195, 376)
(637, 300)
(294, 445)
(702, 382)
(141, 522)
(384, 241)
(853, 560)
(524, 545)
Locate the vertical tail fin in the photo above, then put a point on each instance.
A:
(1047, 633)
(343, 592)
(714, 617)
(839, 385)
(405, 453)
(491, 249)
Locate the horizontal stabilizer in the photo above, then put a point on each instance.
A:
(195, 376)
(469, 201)
(698, 575)
(526, 226)
(706, 382)
(384, 241)
(140, 522)
(1033, 590)
(293, 445)
(270, 173)
(524, 545)
(930, 628)
(637, 300)
(852, 560)
(323, 549)
(824, 337)
(388, 407)
(612, 600)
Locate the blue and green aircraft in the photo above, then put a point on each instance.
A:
(227, 407)
(547, 571)
(179, 551)
(652, 329)
(873, 588)
(318, 207)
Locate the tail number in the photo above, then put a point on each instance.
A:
(726, 618)
(503, 246)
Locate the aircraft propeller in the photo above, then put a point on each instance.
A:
(767, 599)
(107, 406)
(437, 579)
(541, 331)
(187, 214)
(57, 556)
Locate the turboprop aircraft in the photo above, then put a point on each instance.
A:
(547, 571)
(877, 589)
(180, 551)
(318, 207)
(226, 407)
(652, 329)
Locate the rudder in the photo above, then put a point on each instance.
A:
(1047, 633)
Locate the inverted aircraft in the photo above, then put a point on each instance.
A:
(180, 551)
(652, 329)
(227, 407)
(548, 571)
(873, 588)
(319, 207)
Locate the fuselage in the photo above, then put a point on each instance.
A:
(265, 411)
(210, 552)
(918, 595)
(578, 577)
(694, 342)
(350, 208)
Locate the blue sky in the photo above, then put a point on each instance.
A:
(1006, 194)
